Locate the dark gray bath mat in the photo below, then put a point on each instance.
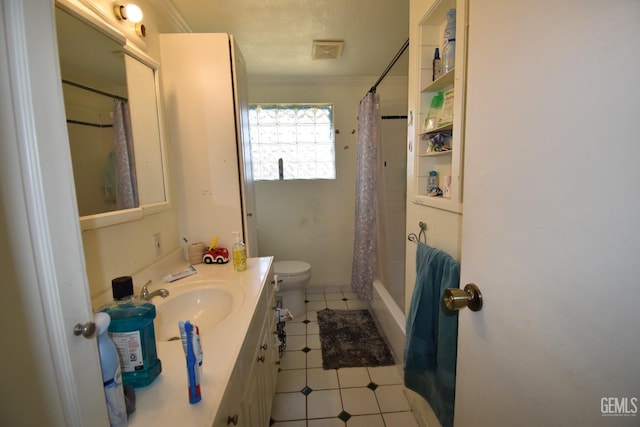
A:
(350, 338)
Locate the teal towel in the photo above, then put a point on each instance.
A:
(432, 333)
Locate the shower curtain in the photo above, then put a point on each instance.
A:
(365, 249)
(125, 167)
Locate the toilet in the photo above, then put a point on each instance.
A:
(293, 277)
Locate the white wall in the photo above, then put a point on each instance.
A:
(314, 220)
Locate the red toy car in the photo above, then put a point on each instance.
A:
(215, 254)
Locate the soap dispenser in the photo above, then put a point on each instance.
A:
(239, 251)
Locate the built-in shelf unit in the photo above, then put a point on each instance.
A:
(446, 163)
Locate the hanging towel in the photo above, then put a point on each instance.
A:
(432, 333)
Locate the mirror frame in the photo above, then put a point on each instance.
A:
(93, 19)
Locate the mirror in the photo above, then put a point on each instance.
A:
(113, 120)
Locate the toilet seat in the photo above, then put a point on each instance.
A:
(291, 268)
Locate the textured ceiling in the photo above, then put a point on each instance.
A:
(275, 36)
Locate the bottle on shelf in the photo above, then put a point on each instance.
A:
(432, 182)
(431, 121)
(437, 65)
(446, 191)
(449, 42)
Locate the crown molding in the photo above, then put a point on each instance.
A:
(168, 9)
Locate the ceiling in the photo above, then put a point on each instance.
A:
(275, 36)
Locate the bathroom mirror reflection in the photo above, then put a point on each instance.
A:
(112, 120)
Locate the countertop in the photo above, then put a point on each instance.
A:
(165, 402)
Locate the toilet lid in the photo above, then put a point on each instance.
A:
(291, 268)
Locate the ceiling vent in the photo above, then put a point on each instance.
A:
(327, 49)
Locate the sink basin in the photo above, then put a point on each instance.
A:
(204, 304)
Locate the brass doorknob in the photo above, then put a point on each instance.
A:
(455, 299)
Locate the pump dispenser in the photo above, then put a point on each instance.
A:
(132, 332)
(239, 251)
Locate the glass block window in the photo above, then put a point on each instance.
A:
(292, 141)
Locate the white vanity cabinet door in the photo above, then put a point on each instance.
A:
(229, 412)
(260, 383)
(272, 357)
(249, 395)
(266, 363)
(251, 410)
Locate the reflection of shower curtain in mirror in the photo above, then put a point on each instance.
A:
(125, 167)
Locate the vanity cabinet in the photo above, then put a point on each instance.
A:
(230, 407)
(445, 163)
(249, 395)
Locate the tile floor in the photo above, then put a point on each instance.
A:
(309, 396)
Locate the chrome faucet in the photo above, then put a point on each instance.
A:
(146, 295)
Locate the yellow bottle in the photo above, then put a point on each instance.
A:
(239, 251)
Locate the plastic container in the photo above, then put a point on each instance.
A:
(432, 182)
(449, 43)
(111, 373)
(239, 252)
(133, 334)
(431, 121)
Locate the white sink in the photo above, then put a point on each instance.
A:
(203, 303)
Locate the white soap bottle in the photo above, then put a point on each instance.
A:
(239, 251)
(111, 374)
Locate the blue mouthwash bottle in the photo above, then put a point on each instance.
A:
(132, 332)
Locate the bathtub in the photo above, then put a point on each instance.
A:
(390, 319)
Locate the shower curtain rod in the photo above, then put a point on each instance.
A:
(95, 125)
(90, 89)
(391, 64)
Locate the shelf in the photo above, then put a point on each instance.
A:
(440, 129)
(450, 162)
(436, 153)
(441, 82)
(443, 203)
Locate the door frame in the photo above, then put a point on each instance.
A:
(39, 206)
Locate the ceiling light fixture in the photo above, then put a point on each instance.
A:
(130, 12)
(141, 30)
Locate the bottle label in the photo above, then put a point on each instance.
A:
(129, 347)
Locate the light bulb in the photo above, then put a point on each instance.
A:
(134, 13)
(129, 12)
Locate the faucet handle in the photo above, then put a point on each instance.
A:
(144, 292)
